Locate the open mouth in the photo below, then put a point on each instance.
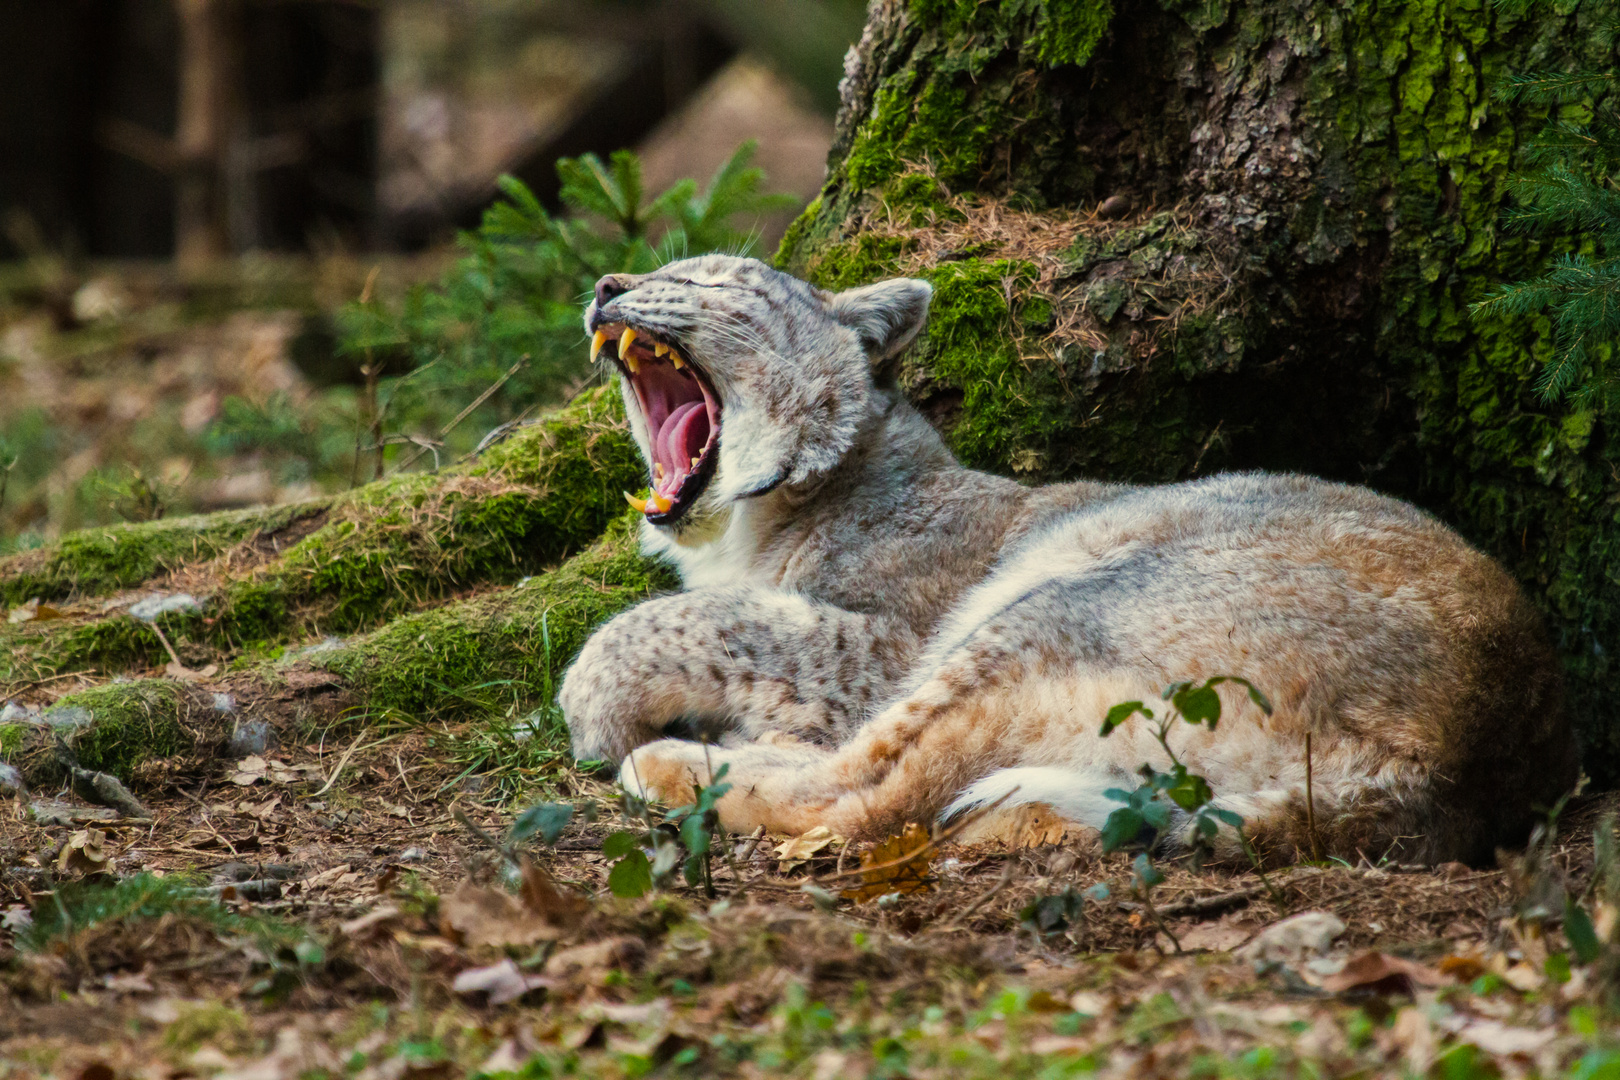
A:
(682, 415)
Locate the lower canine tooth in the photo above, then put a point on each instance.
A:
(662, 502)
(639, 504)
(631, 362)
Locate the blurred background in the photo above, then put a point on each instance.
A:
(251, 250)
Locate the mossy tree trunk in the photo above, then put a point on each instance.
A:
(1190, 235)
(1166, 238)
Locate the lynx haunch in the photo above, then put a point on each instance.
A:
(871, 633)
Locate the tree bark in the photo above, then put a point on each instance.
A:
(209, 114)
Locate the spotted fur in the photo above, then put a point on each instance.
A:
(872, 634)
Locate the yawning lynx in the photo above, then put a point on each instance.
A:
(872, 634)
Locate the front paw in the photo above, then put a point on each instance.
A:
(665, 772)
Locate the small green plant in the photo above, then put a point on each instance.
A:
(685, 838)
(1147, 809)
(1146, 806)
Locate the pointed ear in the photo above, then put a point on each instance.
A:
(887, 316)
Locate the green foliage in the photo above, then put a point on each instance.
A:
(1569, 190)
(684, 838)
(76, 907)
(517, 289)
(1149, 805)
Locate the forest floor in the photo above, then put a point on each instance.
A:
(336, 908)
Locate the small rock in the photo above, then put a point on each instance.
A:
(1309, 932)
(11, 781)
(1114, 206)
(68, 718)
(19, 714)
(161, 604)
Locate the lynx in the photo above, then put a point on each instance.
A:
(872, 634)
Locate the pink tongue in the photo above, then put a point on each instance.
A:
(674, 441)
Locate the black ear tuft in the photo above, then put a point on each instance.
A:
(887, 315)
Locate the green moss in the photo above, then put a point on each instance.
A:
(384, 550)
(97, 561)
(508, 647)
(130, 723)
(1060, 31)
(967, 86)
(11, 739)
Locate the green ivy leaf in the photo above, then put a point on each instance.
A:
(545, 819)
(1190, 791)
(631, 876)
(1198, 704)
(621, 844)
(1147, 875)
(1581, 933)
(1123, 712)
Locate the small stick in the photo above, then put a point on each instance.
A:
(927, 848)
(344, 760)
(464, 413)
(987, 896)
(158, 630)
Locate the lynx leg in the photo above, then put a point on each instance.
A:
(712, 661)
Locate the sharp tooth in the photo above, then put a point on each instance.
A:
(639, 504)
(662, 502)
(632, 363)
(626, 339)
(694, 463)
(658, 469)
(675, 358)
(599, 340)
(659, 348)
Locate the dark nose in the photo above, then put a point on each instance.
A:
(609, 287)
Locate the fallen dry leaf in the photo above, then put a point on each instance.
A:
(899, 864)
(34, 611)
(371, 923)
(84, 853)
(503, 982)
(1494, 1037)
(1215, 937)
(541, 896)
(796, 851)
(327, 877)
(1293, 937)
(483, 916)
(1380, 973)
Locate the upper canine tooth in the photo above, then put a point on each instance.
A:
(662, 502)
(659, 348)
(597, 341)
(626, 339)
(639, 504)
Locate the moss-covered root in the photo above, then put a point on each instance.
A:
(368, 556)
(98, 561)
(496, 650)
(114, 728)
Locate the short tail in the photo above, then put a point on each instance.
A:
(1072, 793)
